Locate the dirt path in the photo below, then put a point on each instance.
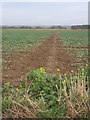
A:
(51, 62)
(50, 54)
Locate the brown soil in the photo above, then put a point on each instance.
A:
(50, 54)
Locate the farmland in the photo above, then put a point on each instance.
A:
(22, 39)
(77, 41)
(46, 69)
(18, 46)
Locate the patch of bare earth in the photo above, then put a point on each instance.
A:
(50, 54)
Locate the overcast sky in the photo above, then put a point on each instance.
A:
(48, 13)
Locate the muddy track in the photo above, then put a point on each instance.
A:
(49, 54)
(51, 62)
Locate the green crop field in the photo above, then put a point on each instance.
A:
(77, 41)
(14, 40)
(74, 38)
(39, 94)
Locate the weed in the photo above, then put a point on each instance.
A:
(48, 96)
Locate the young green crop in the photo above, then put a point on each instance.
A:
(76, 42)
(22, 39)
(74, 38)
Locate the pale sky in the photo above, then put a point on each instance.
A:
(45, 0)
(44, 13)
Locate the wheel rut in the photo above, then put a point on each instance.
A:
(51, 62)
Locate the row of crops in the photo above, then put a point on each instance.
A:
(75, 38)
(77, 44)
(22, 39)
(14, 38)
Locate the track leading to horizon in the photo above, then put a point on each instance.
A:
(50, 54)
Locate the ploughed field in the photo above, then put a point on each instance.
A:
(27, 49)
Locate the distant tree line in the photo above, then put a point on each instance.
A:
(34, 27)
(80, 27)
(48, 27)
